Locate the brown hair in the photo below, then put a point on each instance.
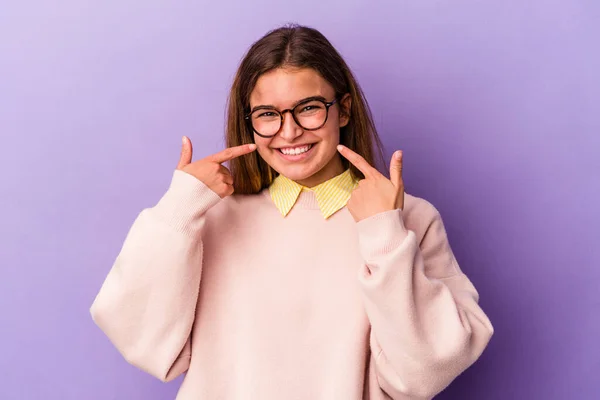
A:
(297, 47)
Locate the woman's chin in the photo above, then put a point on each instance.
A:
(297, 174)
(305, 172)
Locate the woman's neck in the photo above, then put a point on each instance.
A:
(331, 170)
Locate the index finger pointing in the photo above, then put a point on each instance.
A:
(232, 152)
(358, 161)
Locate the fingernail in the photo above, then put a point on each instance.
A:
(183, 140)
(398, 155)
(340, 147)
(252, 146)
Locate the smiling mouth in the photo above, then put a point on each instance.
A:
(294, 151)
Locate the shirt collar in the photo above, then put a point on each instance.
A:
(331, 195)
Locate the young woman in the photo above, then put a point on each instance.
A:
(301, 272)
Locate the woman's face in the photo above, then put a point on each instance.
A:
(282, 89)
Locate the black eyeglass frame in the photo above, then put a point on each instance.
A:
(291, 111)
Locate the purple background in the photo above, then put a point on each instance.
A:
(495, 104)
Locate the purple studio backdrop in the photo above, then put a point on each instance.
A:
(495, 104)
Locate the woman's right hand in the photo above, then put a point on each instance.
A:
(209, 170)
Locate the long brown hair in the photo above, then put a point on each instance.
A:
(296, 47)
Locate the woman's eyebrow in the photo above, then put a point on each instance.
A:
(272, 107)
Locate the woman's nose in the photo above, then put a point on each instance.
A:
(290, 130)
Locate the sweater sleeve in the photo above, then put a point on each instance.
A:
(146, 305)
(426, 324)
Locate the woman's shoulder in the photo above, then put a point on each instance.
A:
(418, 205)
(418, 213)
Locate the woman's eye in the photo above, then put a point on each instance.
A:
(267, 114)
(311, 108)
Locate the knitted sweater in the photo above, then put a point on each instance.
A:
(254, 305)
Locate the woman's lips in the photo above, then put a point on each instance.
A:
(296, 157)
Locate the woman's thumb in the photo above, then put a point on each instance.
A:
(186, 153)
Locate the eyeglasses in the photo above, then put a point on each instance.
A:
(310, 114)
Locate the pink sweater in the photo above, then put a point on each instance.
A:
(257, 306)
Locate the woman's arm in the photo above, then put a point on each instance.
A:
(147, 303)
(427, 326)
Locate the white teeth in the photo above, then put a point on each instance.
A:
(296, 150)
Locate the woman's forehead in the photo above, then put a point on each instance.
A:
(282, 88)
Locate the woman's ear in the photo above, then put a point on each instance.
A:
(345, 107)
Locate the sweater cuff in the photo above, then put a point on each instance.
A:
(185, 203)
(380, 234)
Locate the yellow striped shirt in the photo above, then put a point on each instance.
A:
(332, 195)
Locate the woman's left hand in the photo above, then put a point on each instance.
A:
(376, 193)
